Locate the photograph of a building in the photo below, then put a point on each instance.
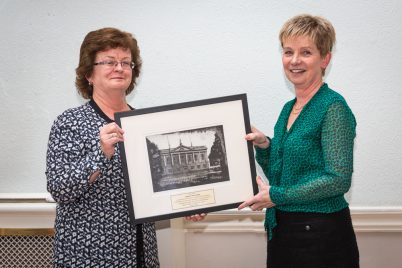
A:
(187, 158)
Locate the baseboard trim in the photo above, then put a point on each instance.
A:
(365, 219)
(25, 211)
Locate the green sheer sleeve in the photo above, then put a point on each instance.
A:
(337, 139)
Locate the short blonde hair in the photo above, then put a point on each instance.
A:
(319, 29)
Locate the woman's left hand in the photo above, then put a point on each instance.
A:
(196, 217)
(261, 200)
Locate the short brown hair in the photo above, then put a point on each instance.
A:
(101, 40)
(319, 29)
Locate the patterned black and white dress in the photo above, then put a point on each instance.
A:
(93, 228)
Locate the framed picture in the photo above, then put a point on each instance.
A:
(187, 158)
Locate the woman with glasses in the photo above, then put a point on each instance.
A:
(309, 161)
(84, 170)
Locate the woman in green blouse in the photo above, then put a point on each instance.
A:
(309, 161)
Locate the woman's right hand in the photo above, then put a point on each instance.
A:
(196, 217)
(261, 200)
(109, 135)
(258, 138)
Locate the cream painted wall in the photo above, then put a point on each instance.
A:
(225, 250)
(224, 239)
(195, 50)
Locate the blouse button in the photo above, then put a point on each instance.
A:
(307, 227)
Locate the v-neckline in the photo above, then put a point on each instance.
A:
(287, 131)
(290, 113)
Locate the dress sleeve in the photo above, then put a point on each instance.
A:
(337, 139)
(68, 164)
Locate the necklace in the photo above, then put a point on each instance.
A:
(297, 110)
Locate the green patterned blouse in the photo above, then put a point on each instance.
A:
(309, 166)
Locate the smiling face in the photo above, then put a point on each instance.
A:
(111, 79)
(302, 62)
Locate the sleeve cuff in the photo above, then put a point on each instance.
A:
(261, 151)
(277, 195)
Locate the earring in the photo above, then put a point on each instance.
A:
(89, 83)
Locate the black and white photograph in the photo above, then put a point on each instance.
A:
(187, 158)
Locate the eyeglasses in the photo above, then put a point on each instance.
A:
(110, 64)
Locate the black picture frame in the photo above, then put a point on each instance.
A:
(187, 158)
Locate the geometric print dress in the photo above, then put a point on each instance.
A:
(93, 227)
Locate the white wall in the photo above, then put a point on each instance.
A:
(195, 50)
